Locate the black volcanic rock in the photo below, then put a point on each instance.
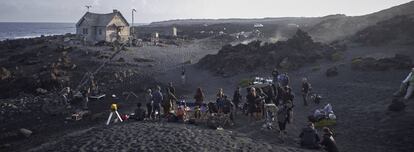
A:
(397, 62)
(291, 54)
(395, 30)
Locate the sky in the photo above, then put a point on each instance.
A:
(159, 10)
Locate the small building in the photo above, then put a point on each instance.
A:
(93, 27)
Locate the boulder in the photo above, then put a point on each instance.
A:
(331, 72)
(4, 74)
(41, 91)
(25, 132)
(397, 62)
(396, 105)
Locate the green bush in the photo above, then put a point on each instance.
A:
(244, 82)
(338, 56)
(316, 68)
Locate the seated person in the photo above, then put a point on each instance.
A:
(309, 137)
(181, 113)
(139, 113)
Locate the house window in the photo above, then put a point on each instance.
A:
(100, 31)
(85, 31)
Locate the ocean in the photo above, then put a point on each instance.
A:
(10, 30)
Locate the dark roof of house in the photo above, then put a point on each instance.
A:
(94, 19)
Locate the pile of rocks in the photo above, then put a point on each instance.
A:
(369, 63)
(291, 54)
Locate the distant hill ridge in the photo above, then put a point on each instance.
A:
(325, 29)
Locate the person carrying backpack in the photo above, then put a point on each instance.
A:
(309, 137)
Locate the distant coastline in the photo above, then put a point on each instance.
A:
(18, 30)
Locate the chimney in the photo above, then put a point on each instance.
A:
(115, 11)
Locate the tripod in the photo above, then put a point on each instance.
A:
(114, 109)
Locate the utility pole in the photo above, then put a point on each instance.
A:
(133, 10)
(87, 7)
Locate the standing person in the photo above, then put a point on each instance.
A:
(282, 119)
(275, 74)
(328, 142)
(309, 137)
(260, 103)
(287, 94)
(199, 97)
(306, 87)
(172, 88)
(168, 104)
(284, 79)
(149, 102)
(86, 95)
(279, 94)
(237, 98)
(220, 100)
(157, 100)
(251, 98)
(183, 75)
(410, 88)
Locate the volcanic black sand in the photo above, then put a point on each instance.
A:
(359, 99)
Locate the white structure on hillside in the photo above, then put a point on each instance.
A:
(93, 27)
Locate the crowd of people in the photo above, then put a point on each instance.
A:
(277, 94)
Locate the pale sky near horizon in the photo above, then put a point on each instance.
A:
(159, 10)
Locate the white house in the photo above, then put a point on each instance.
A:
(93, 27)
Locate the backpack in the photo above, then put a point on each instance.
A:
(283, 79)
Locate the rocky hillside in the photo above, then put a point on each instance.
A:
(290, 54)
(395, 30)
(324, 29)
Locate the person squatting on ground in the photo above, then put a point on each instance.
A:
(309, 137)
(149, 102)
(328, 142)
(139, 112)
(157, 100)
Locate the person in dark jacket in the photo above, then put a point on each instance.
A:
(275, 74)
(199, 97)
(328, 142)
(139, 113)
(252, 98)
(237, 98)
(282, 118)
(172, 88)
(309, 137)
(169, 103)
(157, 100)
(306, 87)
